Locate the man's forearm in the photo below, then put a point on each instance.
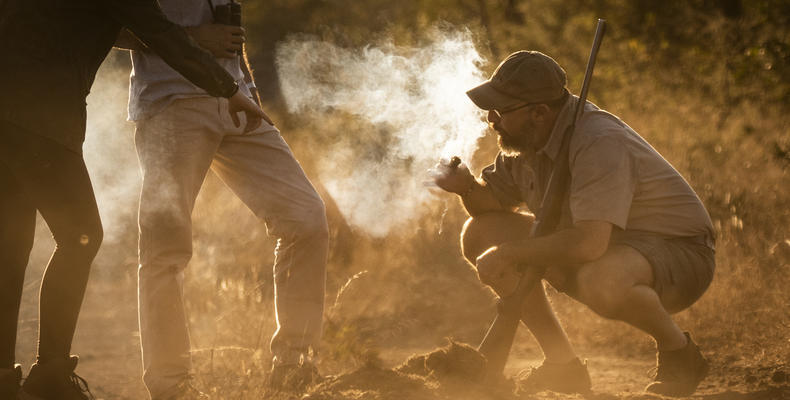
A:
(184, 55)
(584, 242)
(478, 199)
(176, 48)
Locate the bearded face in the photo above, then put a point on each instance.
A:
(512, 145)
(509, 145)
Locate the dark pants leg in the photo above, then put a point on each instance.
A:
(17, 229)
(55, 181)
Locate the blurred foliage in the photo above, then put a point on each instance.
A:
(732, 50)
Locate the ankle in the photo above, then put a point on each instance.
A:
(673, 344)
(48, 358)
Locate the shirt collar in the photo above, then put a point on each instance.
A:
(564, 118)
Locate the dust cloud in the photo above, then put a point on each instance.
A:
(413, 101)
(109, 149)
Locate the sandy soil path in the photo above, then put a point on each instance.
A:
(107, 341)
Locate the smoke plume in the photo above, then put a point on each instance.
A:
(413, 103)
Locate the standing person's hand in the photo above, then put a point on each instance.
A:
(453, 178)
(223, 41)
(241, 103)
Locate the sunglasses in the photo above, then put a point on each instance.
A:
(500, 113)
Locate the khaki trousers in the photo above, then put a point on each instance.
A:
(176, 148)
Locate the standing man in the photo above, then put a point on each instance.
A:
(181, 132)
(634, 243)
(51, 51)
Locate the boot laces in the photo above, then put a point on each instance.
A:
(81, 384)
(652, 373)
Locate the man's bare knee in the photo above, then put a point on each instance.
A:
(470, 236)
(491, 229)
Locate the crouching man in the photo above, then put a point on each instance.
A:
(634, 244)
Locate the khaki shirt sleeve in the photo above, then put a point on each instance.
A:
(499, 179)
(145, 19)
(603, 180)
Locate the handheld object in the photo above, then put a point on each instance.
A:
(228, 14)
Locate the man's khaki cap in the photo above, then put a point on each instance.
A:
(524, 77)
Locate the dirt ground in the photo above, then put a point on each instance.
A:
(108, 344)
(232, 362)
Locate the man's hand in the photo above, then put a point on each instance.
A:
(241, 103)
(496, 268)
(223, 41)
(452, 178)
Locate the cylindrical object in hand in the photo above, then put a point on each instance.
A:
(235, 13)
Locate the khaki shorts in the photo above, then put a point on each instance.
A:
(684, 265)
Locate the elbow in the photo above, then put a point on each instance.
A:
(589, 249)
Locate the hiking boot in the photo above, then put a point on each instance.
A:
(185, 391)
(570, 377)
(679, 372)
(294, 377)
(9, 381)
(55, 380)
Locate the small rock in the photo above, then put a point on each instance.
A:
(779, 376)
(750, 378)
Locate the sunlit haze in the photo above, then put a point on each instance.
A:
(415, 95)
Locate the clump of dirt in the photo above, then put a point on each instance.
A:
(763, 376)
(455, 371)
(456, 361)
(370, 382)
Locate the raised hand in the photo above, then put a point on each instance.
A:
(452, 176)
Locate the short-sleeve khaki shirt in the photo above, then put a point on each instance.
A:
(616, 176)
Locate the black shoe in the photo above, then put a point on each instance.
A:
(570, 377)
(55, 380)
(9, 382)
(679, 372)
